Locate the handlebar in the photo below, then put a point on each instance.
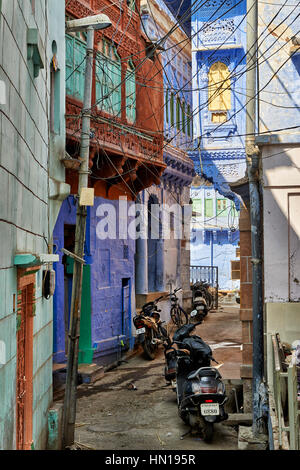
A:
(154, 302)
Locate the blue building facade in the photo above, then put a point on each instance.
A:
(215, 232)
(108, 287)
(219, 83)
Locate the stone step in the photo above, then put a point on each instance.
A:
(235, 419)
(90, 373)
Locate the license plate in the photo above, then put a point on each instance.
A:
(140, 331)
(194, 313)
(210, 409)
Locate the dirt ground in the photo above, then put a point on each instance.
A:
(113, 415)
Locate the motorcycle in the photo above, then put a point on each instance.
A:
(201, 394)
(200, 307)
(149, 329)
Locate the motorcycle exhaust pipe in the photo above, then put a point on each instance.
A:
(157, 341)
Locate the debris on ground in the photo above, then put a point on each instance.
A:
(131, 386)
(80, 446)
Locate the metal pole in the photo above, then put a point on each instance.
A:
(252, 153)
(69, 415)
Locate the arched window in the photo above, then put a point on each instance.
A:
(219, 92)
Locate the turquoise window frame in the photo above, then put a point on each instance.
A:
(75, 66)
(108, 80)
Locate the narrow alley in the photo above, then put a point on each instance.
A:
(149, 165)
(132, 408)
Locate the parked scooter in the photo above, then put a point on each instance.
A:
(200, 308)
(149, 329)
(200, 391)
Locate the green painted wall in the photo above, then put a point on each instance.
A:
(85, 341)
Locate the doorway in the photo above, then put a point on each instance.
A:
(126, 311)
(24, 392)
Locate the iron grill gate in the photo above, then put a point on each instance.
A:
(209, 274)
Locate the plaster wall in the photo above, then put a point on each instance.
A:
(223, 253)
(109, 271)
(281, 223)
(58, 190)
(279, 72)
(24, 210)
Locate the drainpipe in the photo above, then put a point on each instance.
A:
(253, 162)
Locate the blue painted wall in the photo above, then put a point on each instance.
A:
(219, 35)
(110, 274)
(223, 252)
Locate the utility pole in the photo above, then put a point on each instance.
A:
(88, 24)
(74, 331)
(253, 162)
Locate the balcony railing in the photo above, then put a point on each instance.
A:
(283, 399)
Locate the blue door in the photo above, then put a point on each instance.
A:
(126, 312)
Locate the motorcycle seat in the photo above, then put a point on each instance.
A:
(204, 372)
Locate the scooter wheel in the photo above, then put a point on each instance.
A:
(149, 349)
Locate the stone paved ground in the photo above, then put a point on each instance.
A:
(112, 416)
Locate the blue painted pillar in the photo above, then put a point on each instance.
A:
(160, 281)
(141, 267)
(141, 256)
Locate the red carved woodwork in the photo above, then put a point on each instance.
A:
(124, 158)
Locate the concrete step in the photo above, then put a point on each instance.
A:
(90, 373)
(236, 419)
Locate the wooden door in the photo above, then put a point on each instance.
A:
(24, 370)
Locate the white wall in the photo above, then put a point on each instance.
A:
(281, 223)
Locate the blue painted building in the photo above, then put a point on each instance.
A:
(215, 232)
(219, 83)
(108, 287)
(218, 66)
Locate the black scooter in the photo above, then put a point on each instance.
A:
(200, 391)
(200, 307)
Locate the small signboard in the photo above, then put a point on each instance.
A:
(87, 196)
